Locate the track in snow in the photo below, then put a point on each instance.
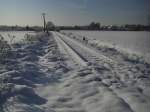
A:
(84, 55)
(83, 51)
(70, 76)
(81, 61)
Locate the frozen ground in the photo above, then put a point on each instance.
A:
(61, 73)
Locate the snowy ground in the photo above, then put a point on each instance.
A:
(60, 73)
(131, 41)
(18, 35)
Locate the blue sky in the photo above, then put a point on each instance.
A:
(72, 12)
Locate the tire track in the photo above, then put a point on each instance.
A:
(69, 45)
(132, 93)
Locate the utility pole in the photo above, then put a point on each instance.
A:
(43, 15)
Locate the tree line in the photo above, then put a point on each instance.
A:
(98, 26)
(92, 26)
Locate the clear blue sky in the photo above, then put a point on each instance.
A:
(71, 12)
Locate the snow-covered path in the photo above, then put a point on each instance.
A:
(60, 74)
(78, 89)
(115, 81)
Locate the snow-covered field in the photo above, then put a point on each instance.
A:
(18, 35)
(131, 41)
(63, 73)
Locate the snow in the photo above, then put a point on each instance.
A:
(71, 51)
(131, 41)
(59, 73)
(19, 35)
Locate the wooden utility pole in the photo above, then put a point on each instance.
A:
(43, 15)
